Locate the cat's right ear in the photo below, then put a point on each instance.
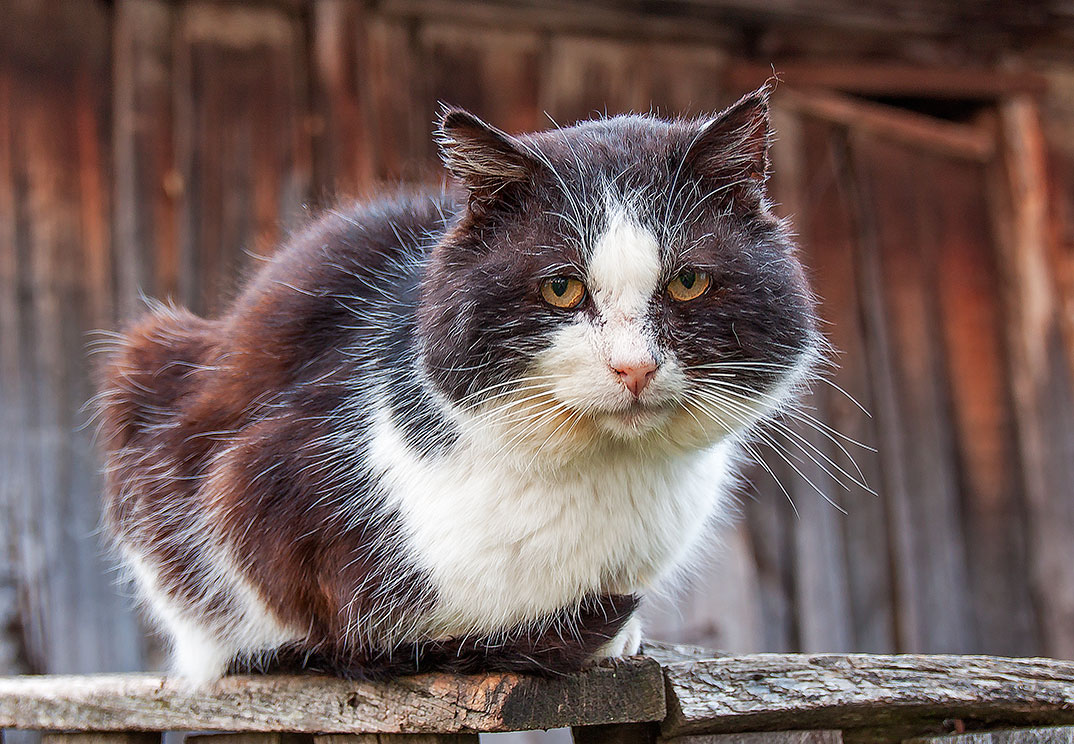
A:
(487, 160)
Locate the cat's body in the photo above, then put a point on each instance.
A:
(401, 449)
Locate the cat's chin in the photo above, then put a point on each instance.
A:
(634, 422)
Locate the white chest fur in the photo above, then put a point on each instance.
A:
(506, 544)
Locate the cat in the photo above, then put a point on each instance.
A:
(464, 429)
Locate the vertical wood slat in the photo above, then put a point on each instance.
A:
(146, 182)
(833, 253)
(1043, 387)
(971, 318)
(908, 616)
(820, 583)
(12, 411)
(373, 122)
(242, 141)
(583, 77)
(848, 600)
(906, 219)
(59, 265)
(493, 74)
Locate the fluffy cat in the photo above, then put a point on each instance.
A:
(466, 429)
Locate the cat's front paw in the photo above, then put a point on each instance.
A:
(627, 642)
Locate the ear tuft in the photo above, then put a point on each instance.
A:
(733, 145)
(484, 158)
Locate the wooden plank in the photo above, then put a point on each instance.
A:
(372, 739)
(1042, 380)
(1045, 735)
(992, 494)
(493, 74)
(930, 558)
(13, 409)
(621, 692)
(585, 77)
(146, 182)
(817, 563)
(832, 250)
(763, 692)
(273, 738)
(372, 118)
(242, 141)
(115, 737)
(57, 259)
(766, 737)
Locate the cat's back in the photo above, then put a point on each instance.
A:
(349, 276)
(368, 252)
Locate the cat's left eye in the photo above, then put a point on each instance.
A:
(689, 284)
(563, 292)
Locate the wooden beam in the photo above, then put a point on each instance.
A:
(960, 83)
(945, 137)
(763, 692)
(626, 691)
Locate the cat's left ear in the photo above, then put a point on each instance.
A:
(486, 159)
(733, 146)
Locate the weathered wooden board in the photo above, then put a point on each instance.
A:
(358, 739)
(762, 692)
(968, 286)
(1043, 735)
(146, 181)
(819, 736)
(626, 691)
(56, 269)
(1041, 380)
(931, 574)
(242, 141)
(97, 737)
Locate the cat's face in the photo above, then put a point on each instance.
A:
(620, 279)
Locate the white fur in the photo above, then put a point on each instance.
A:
(505, 544)
(202, 649)
(627, 641)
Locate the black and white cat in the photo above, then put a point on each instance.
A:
(465, 429)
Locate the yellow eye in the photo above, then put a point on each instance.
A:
(563, 292)
(688, 285)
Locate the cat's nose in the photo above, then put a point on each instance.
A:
(636, 375)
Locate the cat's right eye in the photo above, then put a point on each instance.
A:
(563, 292)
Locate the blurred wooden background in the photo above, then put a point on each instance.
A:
(925, 153)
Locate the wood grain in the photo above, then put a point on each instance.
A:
(626, 691)
(1045, 735)
(766, 737)
(763, 692)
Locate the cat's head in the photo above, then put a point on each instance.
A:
(621, 279)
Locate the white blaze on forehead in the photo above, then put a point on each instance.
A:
(624, 269)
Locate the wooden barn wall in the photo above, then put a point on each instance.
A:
(157, 147)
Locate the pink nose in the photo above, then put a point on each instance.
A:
(636, 376)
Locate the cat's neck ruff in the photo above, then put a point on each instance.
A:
(482, 528)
